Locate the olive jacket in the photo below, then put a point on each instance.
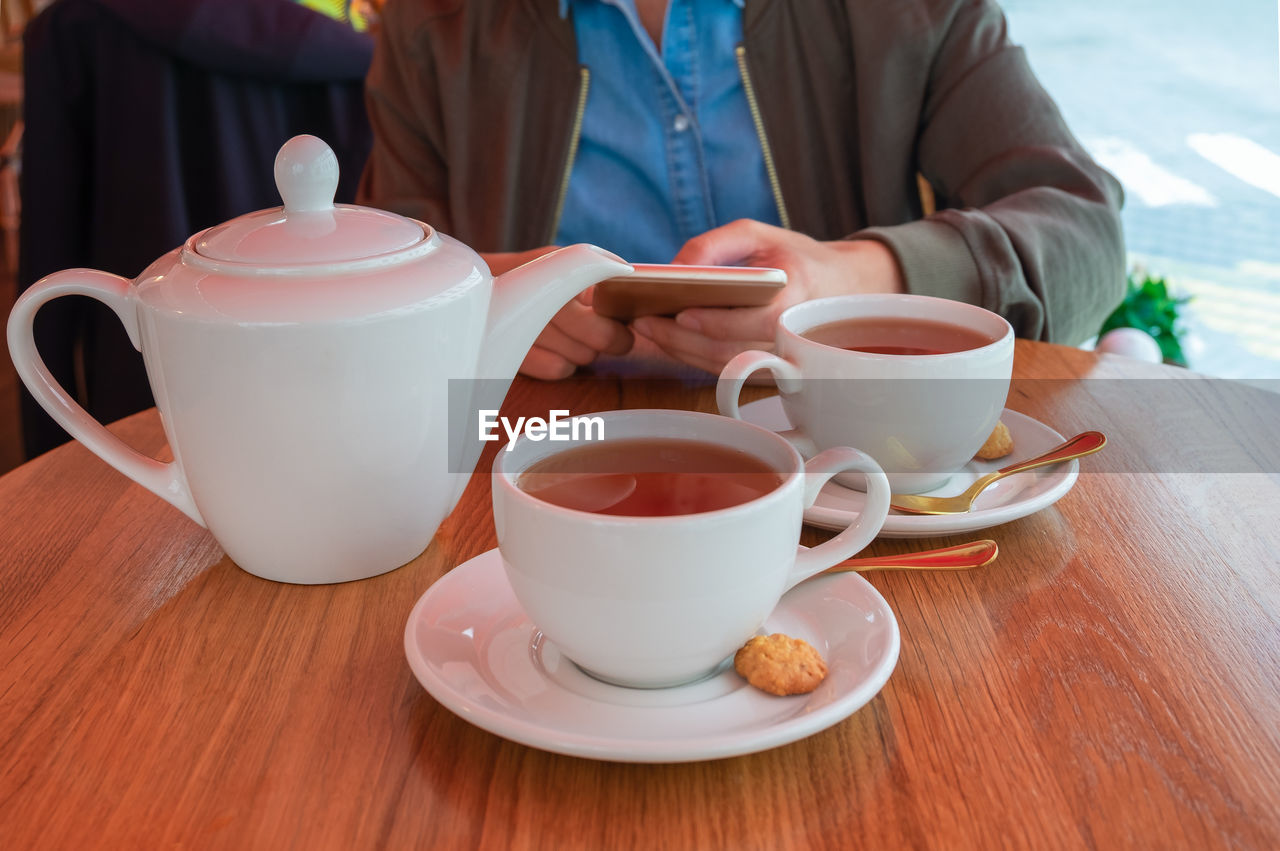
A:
(476, 104)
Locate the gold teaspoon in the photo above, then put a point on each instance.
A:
(1077, 447)
(959, 557)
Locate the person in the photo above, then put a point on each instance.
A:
(765, 132)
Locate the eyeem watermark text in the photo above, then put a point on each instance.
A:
(558, 425)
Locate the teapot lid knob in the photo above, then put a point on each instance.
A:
(311, 232)
(306, 172)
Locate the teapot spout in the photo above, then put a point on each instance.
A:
(523, 302)
(526, 298)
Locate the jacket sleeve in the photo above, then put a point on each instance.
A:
(406, 171)
(1027, 224)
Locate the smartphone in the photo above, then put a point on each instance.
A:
(664, 290)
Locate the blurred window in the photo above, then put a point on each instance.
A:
(1180, 100)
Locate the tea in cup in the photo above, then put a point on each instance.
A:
(650, 550)
(916, 382)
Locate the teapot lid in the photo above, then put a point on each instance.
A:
(310, 230)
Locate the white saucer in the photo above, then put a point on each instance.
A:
(473, 648)
(1008, 499)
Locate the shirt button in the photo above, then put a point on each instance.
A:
(681, 123)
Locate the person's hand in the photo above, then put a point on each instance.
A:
(709, 337)
(574, 337)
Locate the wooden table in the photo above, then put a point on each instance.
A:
(1113, 681)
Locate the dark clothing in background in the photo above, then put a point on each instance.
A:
(149, 120)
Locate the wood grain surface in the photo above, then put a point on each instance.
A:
(1112, 681)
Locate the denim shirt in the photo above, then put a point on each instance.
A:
(668, 148)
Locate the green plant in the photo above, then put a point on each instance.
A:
(1148, 306)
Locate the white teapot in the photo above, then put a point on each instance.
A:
(310, 364)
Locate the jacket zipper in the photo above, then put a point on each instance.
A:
(575, 135)
(741, 53)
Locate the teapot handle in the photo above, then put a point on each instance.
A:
(164, 480)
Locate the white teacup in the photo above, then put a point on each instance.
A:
(921, 416)
(656, 601)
